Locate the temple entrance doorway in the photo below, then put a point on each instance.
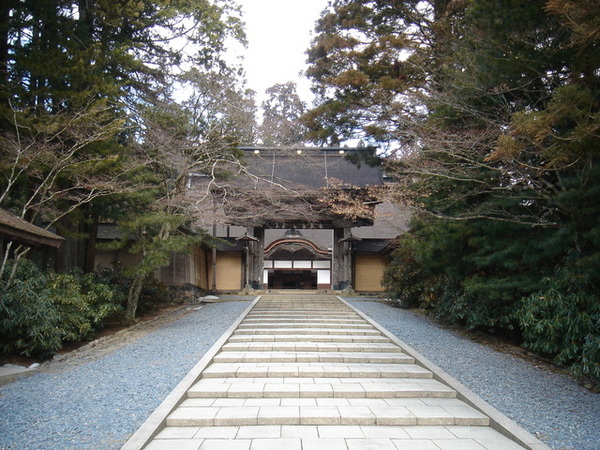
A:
(295, 262)
(293, 279)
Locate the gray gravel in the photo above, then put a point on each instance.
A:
(549, 405)
(98, 403)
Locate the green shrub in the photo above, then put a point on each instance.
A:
(403, 278)
(82, 304)
(457, 306)
(39, 311)
(472, 273)
(563, 322)
(154, 293)
(29, 321)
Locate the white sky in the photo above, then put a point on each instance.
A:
(279, 33)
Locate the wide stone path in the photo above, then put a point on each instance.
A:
(310, 373)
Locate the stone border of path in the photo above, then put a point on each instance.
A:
(498, 421)
(157, 420)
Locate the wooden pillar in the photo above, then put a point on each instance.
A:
(257, 258)
(340, 261)
(347, 261)
(349, 265)
(214, 262)
(90, 255)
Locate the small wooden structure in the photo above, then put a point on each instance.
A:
(15, 231)
(13, 228)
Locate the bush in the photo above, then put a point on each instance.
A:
(403, 278)
(29, 321)
(82, 304)
(563, 322)
(154, 293)
(39, 311)
(406, 281)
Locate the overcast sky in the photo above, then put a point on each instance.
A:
(279, 33)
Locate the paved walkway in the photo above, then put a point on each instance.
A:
(311, 373)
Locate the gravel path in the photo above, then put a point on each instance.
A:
(547, 404)
(97, 398)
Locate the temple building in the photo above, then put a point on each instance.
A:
(289, 218)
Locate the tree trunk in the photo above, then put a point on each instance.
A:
(133, 297)
(5, 8)
(17, 255)
(90, 254)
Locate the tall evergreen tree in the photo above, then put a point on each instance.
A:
(282, 111)
(371, 63)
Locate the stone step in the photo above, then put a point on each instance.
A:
(295, 338)
(309, 370)
(310, 312)
(308, 309)
(369, 347)
(299, 300)
(300, 305)
(321, 388)
(388, 412)
(303, 306)
(275, 330)
(302, 320)
(329, 437)
(300, 374)
(305, 320)
(306, 317)
(348, 357)
(327, 325)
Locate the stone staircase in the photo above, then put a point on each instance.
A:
(308, 372)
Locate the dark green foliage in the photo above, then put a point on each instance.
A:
(364, 56)
(281, 113)
(364, 155)
(502, 277)
(29, 320)
(39, 311)
(563, 321)
(515, 53)
(507, 262)
(488, 266)
(403, 277)
(153, 295)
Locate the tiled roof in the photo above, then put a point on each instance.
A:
(310, 168)
(286, 188)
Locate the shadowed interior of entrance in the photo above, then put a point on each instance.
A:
(294, 279)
